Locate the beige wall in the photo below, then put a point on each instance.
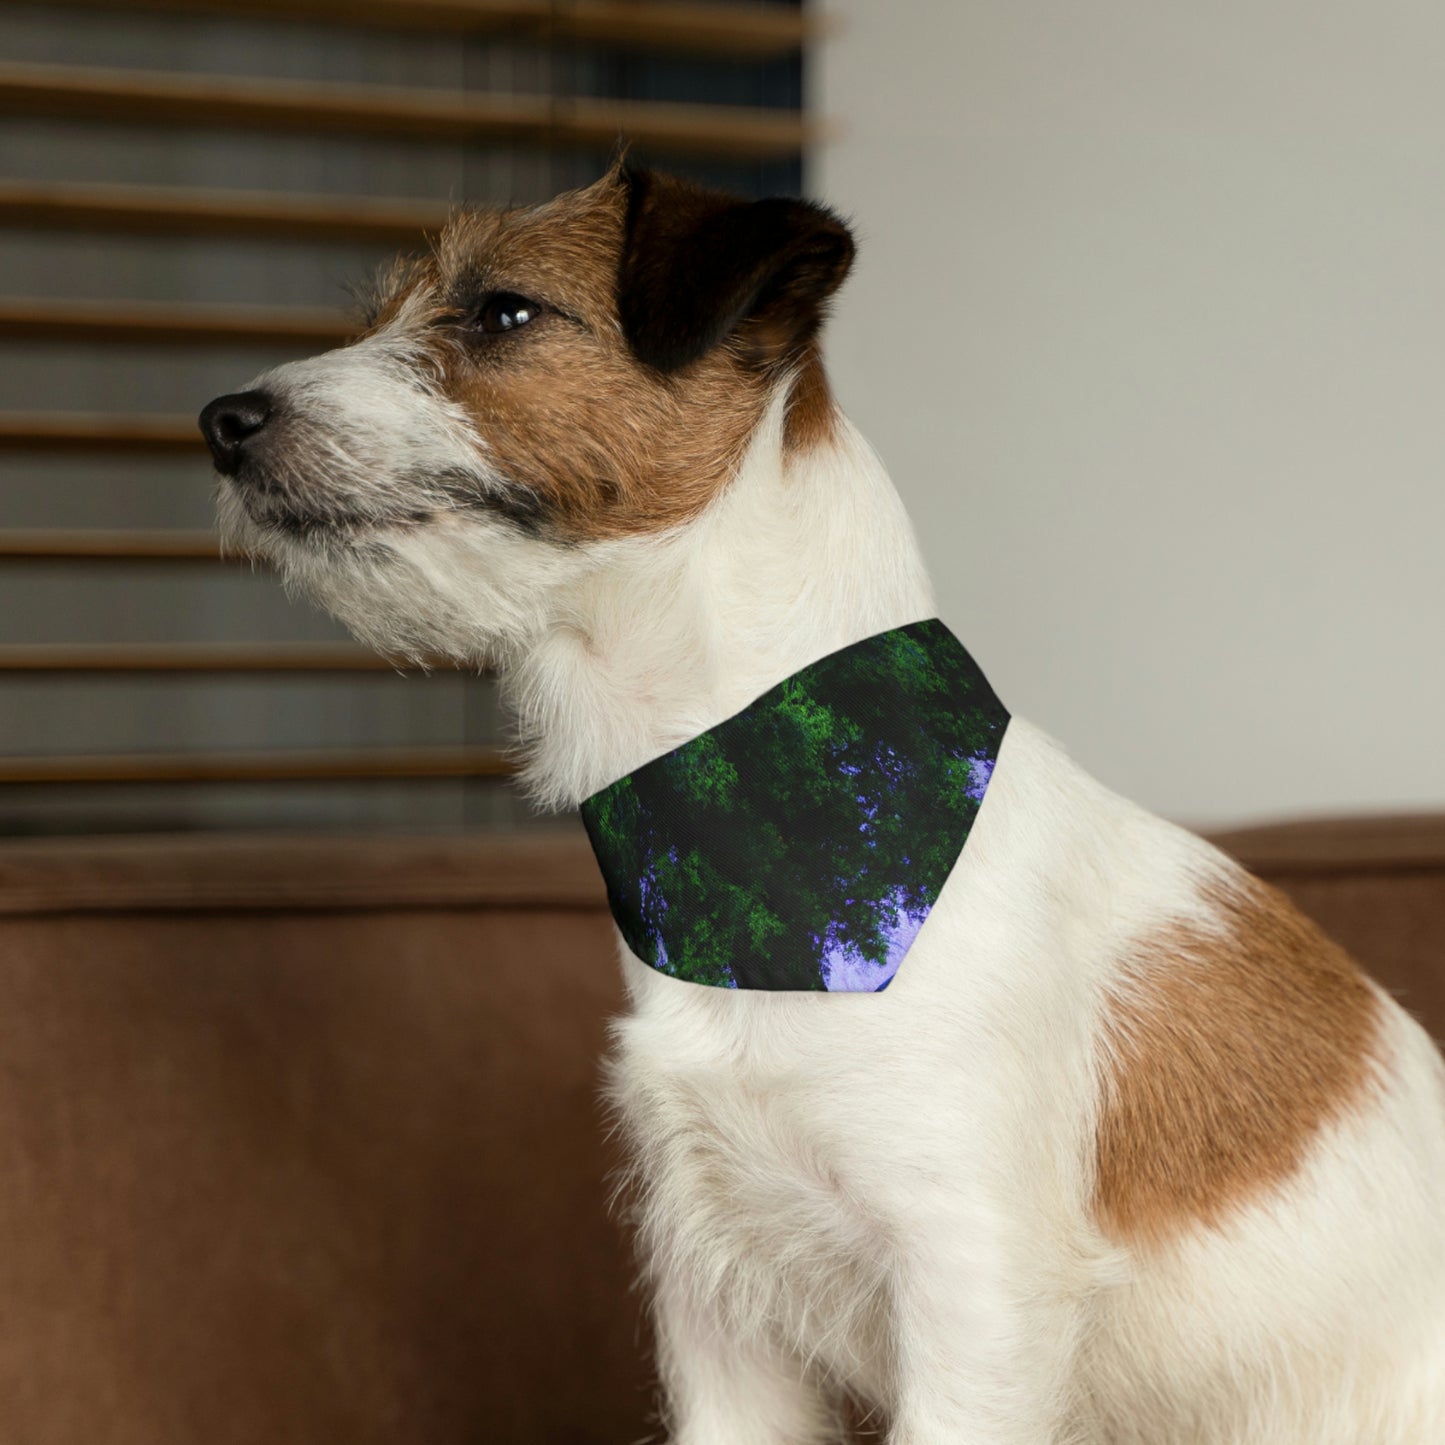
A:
(1149, 324)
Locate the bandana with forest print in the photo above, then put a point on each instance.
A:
(801, 843)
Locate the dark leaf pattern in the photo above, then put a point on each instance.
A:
(801, 843)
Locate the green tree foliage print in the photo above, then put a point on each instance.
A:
(801, 843)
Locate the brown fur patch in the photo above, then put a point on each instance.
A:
(1227, 1054)
(812, 413)
(594, 443)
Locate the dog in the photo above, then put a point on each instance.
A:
(1128, 1153)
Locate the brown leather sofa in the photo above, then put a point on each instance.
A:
(299, 1139)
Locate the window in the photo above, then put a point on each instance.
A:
(188, 192)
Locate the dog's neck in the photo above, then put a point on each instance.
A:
(804, 553)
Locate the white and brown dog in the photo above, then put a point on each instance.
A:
(1129, 1153)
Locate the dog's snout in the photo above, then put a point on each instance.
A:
(229, 422)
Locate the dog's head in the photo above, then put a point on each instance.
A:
(547, 383)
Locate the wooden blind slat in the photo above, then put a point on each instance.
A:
(359, 764)
(160, 98)
(109, 546)
(169, 323)
(705, 29)
(95, 431)
(176, 211)
(181, 657)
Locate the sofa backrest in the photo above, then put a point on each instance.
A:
(300, 1138)
(300, 1142)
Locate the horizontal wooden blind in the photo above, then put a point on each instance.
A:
(313, 657)
(79, 431)
(74, 545)
(221, 103)
(173, 323)
(270, 766)
(747, 31)
(108, 209)
(169, 210)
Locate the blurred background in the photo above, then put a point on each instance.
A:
(1149, 324)
(1146, 323)
(190, 194)
(301, 1007)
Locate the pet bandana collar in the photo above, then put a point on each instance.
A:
(801, 843)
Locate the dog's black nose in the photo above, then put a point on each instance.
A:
(229, 422)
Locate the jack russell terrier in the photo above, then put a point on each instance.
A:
(955, 1085)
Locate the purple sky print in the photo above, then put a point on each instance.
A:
(845, 970)
(980, 770)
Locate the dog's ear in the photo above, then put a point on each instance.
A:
(699, 266)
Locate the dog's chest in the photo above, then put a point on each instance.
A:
(749, 1186)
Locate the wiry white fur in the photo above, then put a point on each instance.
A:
(366, 435)
(889, 1195)
(366, 428)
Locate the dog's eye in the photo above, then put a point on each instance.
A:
(505, 311)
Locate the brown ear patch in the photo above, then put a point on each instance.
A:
(699, 267)
(664, 316)
(1226, 1053)
(598, 444)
